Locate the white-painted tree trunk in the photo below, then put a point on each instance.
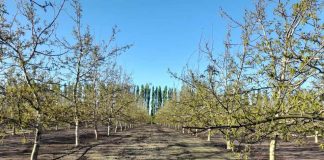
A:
(116, 127)
(209, 134)
(96, 132)
(272, 149)
(56, 127)
(13, 130)
(183, 130)
(229, 145)
(316, 136)
(108, 130)
(76, 132)
(196, 134)
(37, 138)
(121, 127)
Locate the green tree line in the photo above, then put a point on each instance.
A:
(153, 97)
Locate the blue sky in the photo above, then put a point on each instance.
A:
(165, 33)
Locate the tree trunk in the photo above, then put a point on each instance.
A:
(183, 130)
(96, 132)
(272, 149)
(13, 130)
(209, 134)
(316, 136)
(229, 142)
(121, 127)
(229, 145)
(76, 132)
(108, 130)
(196, 134)
(116, 127)
(56, 127)
(37, 138)
(24, 133)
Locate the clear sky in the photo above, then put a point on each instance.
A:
(165, 33)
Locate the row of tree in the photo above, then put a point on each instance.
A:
(267, 86)
(48, 80)
(153, 98)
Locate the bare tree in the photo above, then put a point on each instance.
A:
(86, 62)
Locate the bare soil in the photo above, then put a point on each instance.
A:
(144, 142)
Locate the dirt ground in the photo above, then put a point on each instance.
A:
(145, 142)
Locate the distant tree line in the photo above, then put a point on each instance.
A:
(153, 97)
